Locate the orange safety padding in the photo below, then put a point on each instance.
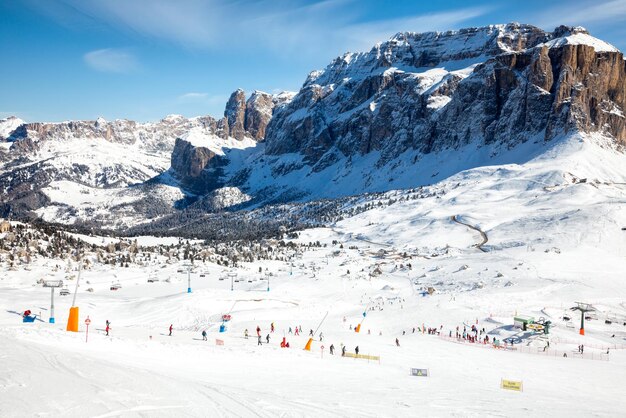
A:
(582, 331)
(307, 347)
(357, 328)
(72, 321)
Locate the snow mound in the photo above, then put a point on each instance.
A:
(580, 39)
(8, 125)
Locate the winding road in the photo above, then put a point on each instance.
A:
(482, 233)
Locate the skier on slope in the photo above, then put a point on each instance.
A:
(204, 335)
(259, 340)
(245, 334)
(171, 328)
(107, 329)
(267, 338)
(258, 331)
(272, 327)
(356, 350)
(332, 349)
(397, 342)
(343, 351)
(297, 331)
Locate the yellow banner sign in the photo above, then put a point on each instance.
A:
(512, 385)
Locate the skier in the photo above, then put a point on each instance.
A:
(297, 332)
(258, 331)
(290, 332)
(204, 335)
(397, 342)
(259, 340)
(356, 350)
(107, 329)
(171, 328)
(582, 349)
(343, 351)
(311, 333)
(332, 350)
(321, 336)
(245, 334)
(272, 327)
(267, 338)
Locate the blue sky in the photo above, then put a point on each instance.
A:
(144, 59)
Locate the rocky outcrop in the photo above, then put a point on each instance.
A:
(198, 169)
(259, 108)
(235, 114)
(250, 118)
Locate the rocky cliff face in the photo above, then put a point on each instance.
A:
(199, 168)
(426, 92)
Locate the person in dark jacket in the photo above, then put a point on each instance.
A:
(356, 350)
(204, 335)
(332, 350)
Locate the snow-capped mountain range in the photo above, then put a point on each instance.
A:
(412, 111)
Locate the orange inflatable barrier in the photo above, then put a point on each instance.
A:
(72, 321)
(357, 328)
(307, 347)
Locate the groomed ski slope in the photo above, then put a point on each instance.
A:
(553, 240)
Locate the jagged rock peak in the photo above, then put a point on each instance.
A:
(250, 117)
(235, 114)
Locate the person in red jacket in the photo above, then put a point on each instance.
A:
(258, 331)
(171, 328)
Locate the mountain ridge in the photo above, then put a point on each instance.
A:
(410, 112)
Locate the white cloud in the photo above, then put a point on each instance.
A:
(576, 13)
(111, 60)
(193, 96)
(203, 98)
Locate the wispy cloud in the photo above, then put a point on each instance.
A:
(192, 97)
(611, 12)
(111, 60)
(280, 26)
(203, 98)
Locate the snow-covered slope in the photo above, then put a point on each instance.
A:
(553, 236)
